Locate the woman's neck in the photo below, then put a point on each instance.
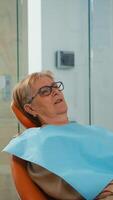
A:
(55, 121)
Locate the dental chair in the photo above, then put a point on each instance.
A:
(26, 188)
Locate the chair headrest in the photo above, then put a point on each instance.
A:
(21, 117)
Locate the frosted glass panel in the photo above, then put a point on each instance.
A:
(13, 65)
(102, 63)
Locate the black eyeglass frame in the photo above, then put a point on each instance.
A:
(54, 85)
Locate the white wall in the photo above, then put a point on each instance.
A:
(34, 36)
(65, 27)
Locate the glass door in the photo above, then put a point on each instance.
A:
(101, 32)
(13, 65)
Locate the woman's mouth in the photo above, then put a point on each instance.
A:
(58, 101)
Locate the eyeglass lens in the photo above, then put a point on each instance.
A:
(46, 90)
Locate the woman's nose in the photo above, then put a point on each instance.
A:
(55, 91)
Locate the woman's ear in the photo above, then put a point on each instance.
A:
(28, 109)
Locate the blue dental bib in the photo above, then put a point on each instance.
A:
(81, 155)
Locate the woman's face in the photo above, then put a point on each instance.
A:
(50, 107)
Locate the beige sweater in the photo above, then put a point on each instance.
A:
(52, 184)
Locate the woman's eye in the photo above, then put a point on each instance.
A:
(45, 91)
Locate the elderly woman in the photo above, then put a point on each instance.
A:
(39, 97)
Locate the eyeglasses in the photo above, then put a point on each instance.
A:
(46, 90)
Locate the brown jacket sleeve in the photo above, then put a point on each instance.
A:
(52, 184)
